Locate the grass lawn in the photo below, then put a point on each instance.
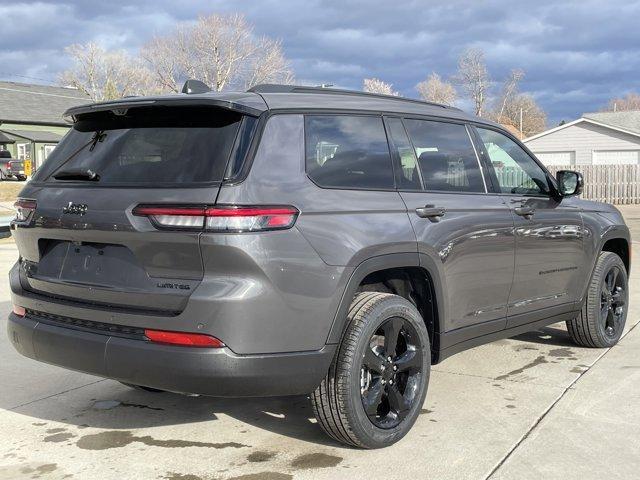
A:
(9, 190)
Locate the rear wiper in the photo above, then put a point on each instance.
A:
(77, 174)
(98, 136)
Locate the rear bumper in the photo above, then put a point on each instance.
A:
(205, 371)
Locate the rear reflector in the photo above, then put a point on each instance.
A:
(20, 311)
(222, 218)
(183, 339)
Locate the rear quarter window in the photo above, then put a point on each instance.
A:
(348, 151)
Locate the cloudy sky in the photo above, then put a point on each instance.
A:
(576, 55)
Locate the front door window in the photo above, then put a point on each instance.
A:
(516, 172)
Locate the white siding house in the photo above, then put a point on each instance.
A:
(603, 138)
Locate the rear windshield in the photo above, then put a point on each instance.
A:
(149, 145)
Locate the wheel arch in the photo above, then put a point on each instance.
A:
(620, 246)
(616, 240)
(403, 274)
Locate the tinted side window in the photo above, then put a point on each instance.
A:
(409, 177)
(445, 156)
(516, 171)
(347, 151)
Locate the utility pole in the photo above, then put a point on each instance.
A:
(521, 134)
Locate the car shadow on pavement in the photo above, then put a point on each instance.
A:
(551, 335)
(111, 406)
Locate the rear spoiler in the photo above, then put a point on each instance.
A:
(243, 102)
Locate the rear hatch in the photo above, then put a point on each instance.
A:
(80, 240)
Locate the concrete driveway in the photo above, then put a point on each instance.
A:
(535, 406)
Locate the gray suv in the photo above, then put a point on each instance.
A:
(295, 240)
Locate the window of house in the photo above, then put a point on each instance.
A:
(24, 151)
(348, 151)
(445, 156)
(47, 150)
(515, 170)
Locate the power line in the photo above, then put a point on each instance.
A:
(9, 74)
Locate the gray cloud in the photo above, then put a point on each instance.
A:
(576, 54)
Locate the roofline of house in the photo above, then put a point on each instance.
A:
(46, 94)
(582, 119)
(62, 123)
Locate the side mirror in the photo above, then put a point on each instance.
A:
(570, 183)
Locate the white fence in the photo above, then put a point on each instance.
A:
(619, 184)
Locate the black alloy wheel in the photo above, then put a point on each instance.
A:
(390, 373)
(612, 301)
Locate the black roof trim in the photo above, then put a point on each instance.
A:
(278, 88)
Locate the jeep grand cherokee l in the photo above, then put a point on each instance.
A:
(295, 240)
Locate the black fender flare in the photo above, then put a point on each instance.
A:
(383, 262)
(615, 232)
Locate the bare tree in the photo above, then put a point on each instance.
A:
(375, 85)
(509, 91)
(434, 89)
(270, 66)
(525, 114)
(631, 101)
(220, 50)
(472, 75)
(104, 75)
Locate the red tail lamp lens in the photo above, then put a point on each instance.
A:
(183, 339)
(221, 218)
(24, 208)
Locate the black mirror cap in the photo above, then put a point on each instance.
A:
(570, 183)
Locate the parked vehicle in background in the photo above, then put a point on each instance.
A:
(11, 168)
(293, 240)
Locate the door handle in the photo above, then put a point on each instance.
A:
(525, 211)
(431, 212)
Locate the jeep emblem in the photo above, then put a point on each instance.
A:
(75, 209)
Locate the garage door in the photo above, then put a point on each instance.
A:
(557, 158)
(615, 157)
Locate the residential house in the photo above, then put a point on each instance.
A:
(31, 122)
(602, 138)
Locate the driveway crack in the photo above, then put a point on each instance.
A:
(55, 395)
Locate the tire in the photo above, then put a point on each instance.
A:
(603, 315)
(22, 178)
(2, 176)
(143, 388)
(339, 401)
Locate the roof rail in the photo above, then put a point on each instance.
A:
(278, 88)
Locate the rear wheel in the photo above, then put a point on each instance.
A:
(22, 178)
(602, 318)
(377, 383)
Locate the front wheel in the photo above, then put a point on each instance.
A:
(377, 383)
(603, 315)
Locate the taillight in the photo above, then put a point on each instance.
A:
(183, 339)
(18, 310)
(24, 208)
(221, 218)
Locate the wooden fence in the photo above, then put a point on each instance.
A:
(619, 184)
